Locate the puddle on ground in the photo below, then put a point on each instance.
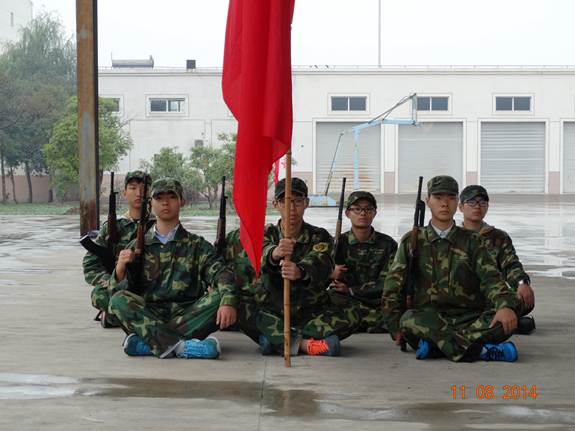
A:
(294, 403)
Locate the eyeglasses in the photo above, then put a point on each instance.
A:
(358, 210)
(472, 203)
(297, 202)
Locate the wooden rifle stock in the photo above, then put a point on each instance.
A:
(221, 234)
(418, 220)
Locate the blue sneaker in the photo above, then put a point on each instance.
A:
(329, 346)
(206, 349)
(505, 352)
(427, 350)
(134, 346)
(265, 345)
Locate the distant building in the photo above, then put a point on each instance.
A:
(511, 129)
(13, 15)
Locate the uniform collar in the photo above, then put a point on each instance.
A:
(370, 240)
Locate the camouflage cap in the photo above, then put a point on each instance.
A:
(134, 174)
(167, 185)
(442, 184)
(297, 186)
(355, 196)
(470, 192)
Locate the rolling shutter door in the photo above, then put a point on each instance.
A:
(513, 157)
(569, 157)
(427, 153)
(369, 157)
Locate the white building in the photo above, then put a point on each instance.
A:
(13, 15)
(510, 129)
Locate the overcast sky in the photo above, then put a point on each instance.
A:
(343, 32)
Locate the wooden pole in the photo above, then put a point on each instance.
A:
(287, 284)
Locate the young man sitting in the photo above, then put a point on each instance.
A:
(165, 309)
(317, 325)
(474, 204)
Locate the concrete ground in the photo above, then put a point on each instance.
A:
(59, 370)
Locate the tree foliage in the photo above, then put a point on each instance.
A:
(62, 150)
(42, 63)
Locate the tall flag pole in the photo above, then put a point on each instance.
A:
(257, 88)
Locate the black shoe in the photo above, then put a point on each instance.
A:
(108, 320)
(525, 325)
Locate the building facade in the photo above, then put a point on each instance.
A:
(14, 14)
(511, 129)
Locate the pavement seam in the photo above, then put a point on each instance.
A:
(262, 392)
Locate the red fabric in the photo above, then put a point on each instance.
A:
(257, 88)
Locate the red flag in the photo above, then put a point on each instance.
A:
(257, 88)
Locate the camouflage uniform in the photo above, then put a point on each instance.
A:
(237, 259)
(172, 303)
(94, 271)
(312, 314)
(367, 264)
(455, 278)
(501, 247)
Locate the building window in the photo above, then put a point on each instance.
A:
(348, 103)
(167, 105)
(117, 102)
(513, 104)
(432, 103)
(12, 19)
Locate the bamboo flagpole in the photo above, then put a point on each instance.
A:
(287, 284)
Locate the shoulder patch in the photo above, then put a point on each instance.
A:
(321, 247)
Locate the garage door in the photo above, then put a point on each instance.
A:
(369, 157)
(569, 158)
(428, 150)
(513, 157)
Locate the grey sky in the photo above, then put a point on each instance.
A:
(344, 32)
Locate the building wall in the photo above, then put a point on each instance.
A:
(13, 15)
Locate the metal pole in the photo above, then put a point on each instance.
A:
(379, 36)
(87, 52)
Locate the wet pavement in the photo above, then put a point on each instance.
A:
(60, 370)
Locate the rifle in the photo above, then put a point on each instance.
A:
(137, 266)
(221, 234)
(339, 220)
(106, 254)
(418, 219)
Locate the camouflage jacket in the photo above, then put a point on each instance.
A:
(178, 271)
(367, 263)
(501, 247)
(237, 259)
(94, 270)
(314, 251)
(454, 275)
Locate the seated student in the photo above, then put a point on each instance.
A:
(474, 204)
(95, 272)
(462, 308)
(365, 256)
(169, 311)
(317, 325)
(238, 261)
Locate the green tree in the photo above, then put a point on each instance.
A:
(206, 173)
(62, 150)
(167, 164)
(10, 113)
(43, 62)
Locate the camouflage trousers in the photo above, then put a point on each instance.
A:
(372, 317)
(519, 305)
(452, 334)
(162, 326)
(100, 298)
(255, 320)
